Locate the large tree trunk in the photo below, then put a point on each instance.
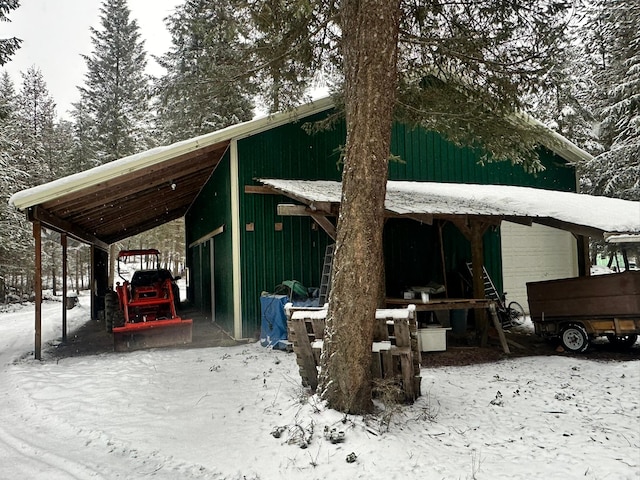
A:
(370, 39)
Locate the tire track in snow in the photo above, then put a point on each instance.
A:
(30, 461)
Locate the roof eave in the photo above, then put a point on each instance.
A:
(79, 181)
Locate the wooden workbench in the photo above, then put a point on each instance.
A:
(440, 303)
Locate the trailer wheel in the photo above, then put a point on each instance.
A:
(110, 307)
(623, 341)
(574, 338)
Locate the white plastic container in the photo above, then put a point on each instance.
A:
(432, 339)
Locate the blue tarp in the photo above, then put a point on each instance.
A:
(274, 321)
(273, 332)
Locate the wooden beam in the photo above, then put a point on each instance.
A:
(40, 215)
(326, 225)
(425, 218)
(37, 236)
(63, 242)
(526, 221)
(584, 261)
(291, 210)
(570, 227)
(261, 190)
(477, 259)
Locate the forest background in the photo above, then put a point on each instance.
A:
(230, 57)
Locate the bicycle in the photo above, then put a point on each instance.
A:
(510, 315)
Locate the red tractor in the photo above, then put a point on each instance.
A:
(142, 311)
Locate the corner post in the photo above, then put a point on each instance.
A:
(37, 235)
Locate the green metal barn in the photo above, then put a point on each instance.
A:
(239, 247)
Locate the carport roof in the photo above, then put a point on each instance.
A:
(579, 213)
(128, 196)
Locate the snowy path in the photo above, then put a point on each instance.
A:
(210, 413)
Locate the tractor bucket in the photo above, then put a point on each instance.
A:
(158, 333)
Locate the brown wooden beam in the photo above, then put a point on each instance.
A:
(63, 242)
(40, 215)
(37, 236)
(261, 190)
(325, 224)
(584, 260)
(570, 227)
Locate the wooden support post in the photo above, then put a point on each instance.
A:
(477, 259)
(63, 241)
(584, 260)
(37, 235)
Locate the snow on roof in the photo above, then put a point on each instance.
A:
(623, 238)
(79, 181)
(406, 198)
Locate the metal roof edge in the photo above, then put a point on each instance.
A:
(81, 180)
(558, 143)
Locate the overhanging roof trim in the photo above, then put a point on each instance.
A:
(82, 180)
(557, 143)
(602, 214)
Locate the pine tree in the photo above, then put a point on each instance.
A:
(15, 253)
(116, 91)
(35, 119)
(206, 86)
(8, 46)
(615, 29)
(463, 69)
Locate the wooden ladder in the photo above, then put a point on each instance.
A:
(325, 280)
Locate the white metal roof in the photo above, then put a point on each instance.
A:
(416, 198)
(139, 161)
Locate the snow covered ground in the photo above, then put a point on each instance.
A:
(240, 413)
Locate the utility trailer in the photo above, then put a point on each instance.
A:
(576, 310)
(142, 311)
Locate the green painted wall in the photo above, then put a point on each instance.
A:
(427, 156)
(211, 210)
(274, 248)
(296, 252)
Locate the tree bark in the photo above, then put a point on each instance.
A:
(370, 43)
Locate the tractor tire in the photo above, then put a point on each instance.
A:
(110, 307)
(118, 318)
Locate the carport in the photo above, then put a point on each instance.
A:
(112, 202)
(128, 196)
(473, 209)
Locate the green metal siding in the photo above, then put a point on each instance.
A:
(296, 252)
(427, 156)
(211, 210)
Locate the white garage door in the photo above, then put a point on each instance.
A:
(535, 253)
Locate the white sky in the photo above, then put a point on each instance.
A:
(55, 34)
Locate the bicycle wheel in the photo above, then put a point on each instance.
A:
(516, 313)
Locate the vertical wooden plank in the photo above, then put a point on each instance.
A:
(387, 363)
(401, 332)
(318, 325)
(376, 367)
(92, 284)
(63, 241)
(380, 332)
(498, 326)
(37, 235)
(304, 352)
(407, 376)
